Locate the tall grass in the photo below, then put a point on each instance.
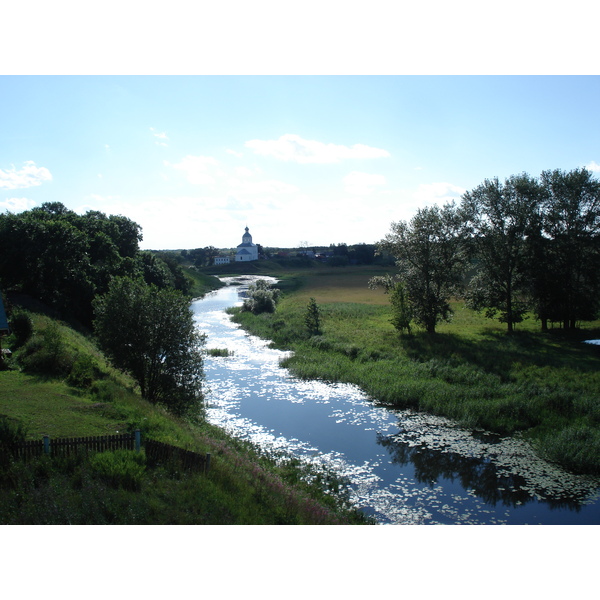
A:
(545, 386)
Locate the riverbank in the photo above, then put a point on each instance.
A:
(243, 486)
(544, 387)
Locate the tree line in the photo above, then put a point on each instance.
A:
(507, 248)
(64, 259)
(90, 268)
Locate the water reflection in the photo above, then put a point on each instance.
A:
(404, 467)
(481, 476)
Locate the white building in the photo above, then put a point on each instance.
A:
(222, 260)
(246, 250)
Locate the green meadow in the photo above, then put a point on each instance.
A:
(542, 386)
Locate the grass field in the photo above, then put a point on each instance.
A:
(545, 386)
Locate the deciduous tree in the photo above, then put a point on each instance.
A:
(503, 217)
(151, 333)
(567, 277)
(430, 258)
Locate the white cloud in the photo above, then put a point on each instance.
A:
(16, 205)
(30, 175)
(238, 154)
(196, 169)
(593, 166)
(160, 136)
(244, 172)
(362, 183)
(291, 147)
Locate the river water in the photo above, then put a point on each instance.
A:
(403, 467)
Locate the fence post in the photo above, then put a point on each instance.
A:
(46, 445)
(137, 440)
(207, 463)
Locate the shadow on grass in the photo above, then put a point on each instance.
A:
(497, 353)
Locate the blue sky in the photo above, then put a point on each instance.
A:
(316, 159)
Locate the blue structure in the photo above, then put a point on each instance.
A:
(3, 320)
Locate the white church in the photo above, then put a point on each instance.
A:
(246, 251)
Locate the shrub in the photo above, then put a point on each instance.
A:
(261, 298)
(11, 432)
(83, 373)
(312, 318)
(21, 327)
(46, 353)
(219, 352)
(120, 469)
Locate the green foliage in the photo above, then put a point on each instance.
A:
(21, 327)
(576, 446)
(151, 333)
(429, 252)
(120, 468)
(222, 352)
(401, 309)
(503, 217)
(533, 383)
(62, 258)
(566, 249)
(262, 297)
(46, 353)
(242, 486)
(312, 318)
(83, 372)
(11, 432)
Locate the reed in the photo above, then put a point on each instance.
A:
(545, 386)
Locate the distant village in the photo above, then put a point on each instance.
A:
(249, 251)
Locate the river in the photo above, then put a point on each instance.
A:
(403, 467)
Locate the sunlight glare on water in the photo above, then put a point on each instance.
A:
(403, 467)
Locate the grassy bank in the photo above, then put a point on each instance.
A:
(202, 283)
(545, 386)
(68, 389)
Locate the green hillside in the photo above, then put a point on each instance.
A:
(58, 383)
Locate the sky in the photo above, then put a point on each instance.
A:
(303, 159)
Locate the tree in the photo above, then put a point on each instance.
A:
(312, 318)
(430, 258)
(566, 277)
(261, 297)
(503, 219)
(151, 333)
(401, 309)
(402, 315)
(64, 259)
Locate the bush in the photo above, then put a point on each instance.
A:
(11, 432)
(83, 373)
(261, 298)
(46, 353)
(21, 327)
(120, 469)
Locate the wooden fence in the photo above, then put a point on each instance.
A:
(159, 452)
(156, 452)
